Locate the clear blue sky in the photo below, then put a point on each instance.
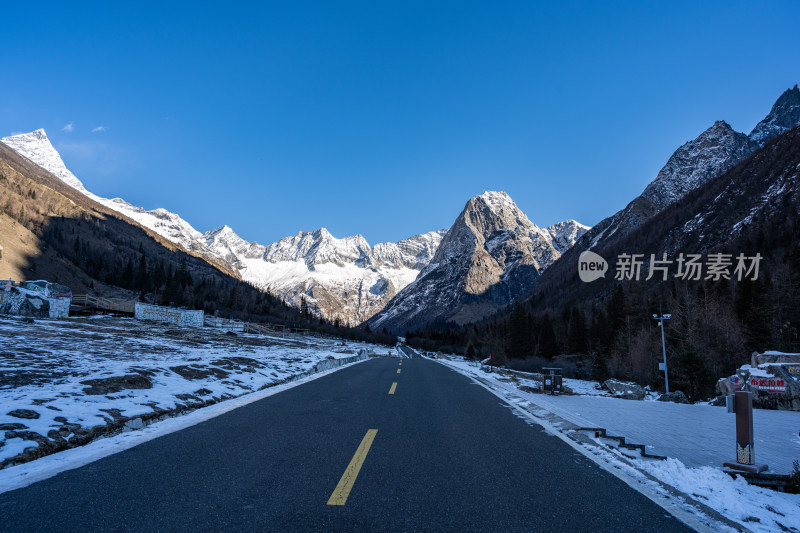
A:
(384, 118)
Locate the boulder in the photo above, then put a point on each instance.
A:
(626, 390)
(773, 378)
(116, 384)
(133, 424)
(775, 386)
(675, 397)
(24, 413)
(13, 426)
(20, 303)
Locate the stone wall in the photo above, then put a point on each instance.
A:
(16, 302)
(180, 317)
(327, 364)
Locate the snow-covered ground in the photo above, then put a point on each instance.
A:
(65, 382)
(696, 438)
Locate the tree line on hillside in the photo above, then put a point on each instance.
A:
(714, 326)
(106, 249)
(177, 279)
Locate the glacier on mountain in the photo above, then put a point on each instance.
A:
(344, 280)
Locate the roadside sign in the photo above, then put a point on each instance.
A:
(768, 384)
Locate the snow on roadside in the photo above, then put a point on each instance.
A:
(22, 475)
(65, 382)
(757, 509)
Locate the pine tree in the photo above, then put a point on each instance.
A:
(141, 275)
(471, 354)
(126, 278)
(518, 339)
(304, 307)
(576, 341)
(548, 344)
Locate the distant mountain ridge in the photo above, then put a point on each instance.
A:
(491, 255)
(339, 279)
(708, 156)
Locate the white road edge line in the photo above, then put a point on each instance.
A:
(700, 523)
(20, 476)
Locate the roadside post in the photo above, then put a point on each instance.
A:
(741, 403)
(663, 366)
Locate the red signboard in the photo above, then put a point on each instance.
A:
(768, 384)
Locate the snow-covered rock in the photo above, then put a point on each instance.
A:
(491, 256)
(627, 390)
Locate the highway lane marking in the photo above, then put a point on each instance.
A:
(398, 370)
(342, 490)
(394, 387)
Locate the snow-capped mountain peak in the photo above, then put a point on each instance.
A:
(565, 234)
(696, 162)
(342, 279)
(497, 200)
(37, 147)
(491, 255)
(783, 116)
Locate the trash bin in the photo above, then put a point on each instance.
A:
(557, 383)
(552, 381)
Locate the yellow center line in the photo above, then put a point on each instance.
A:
(394, 387)
(398, 370)
(342, 490)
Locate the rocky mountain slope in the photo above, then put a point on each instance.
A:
(490, 256)
(740, 210)
(37, 147)
(339, 279)
(783, 116)
(711, 154)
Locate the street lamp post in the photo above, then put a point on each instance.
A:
(663, 366)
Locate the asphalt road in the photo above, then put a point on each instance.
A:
(447, 456)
